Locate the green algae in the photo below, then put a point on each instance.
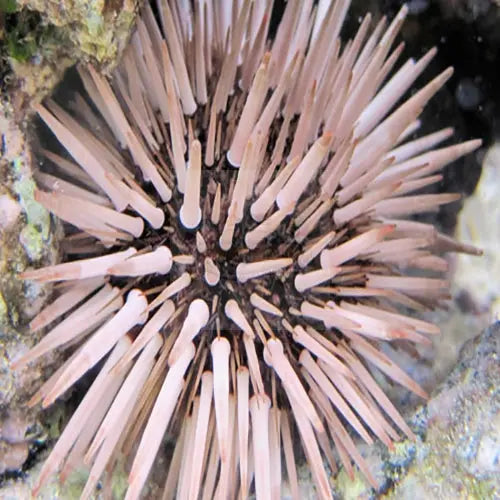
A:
(352, 488)
(25, 34)
(8, 6)
(95, 29)
(3, 310)
(32, 241)
(35, 235)
(36, 215)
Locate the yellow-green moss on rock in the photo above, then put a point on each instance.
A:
(97, 29)
(3, 310)
(40, 39)
(26, 240)
(34, 56)
(352, 488)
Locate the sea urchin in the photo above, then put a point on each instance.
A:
(236, 246)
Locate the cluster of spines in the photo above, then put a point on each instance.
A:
(338, 175)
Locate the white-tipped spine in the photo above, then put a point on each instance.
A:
(248, 271)
(190, 213)
(212, 273)
(158, 261)
(235, 314)
(196, 319)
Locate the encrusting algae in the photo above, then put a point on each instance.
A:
(237, 247)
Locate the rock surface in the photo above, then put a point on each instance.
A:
(460, 454)
(14, 447)
(479, 224)
(457, 451)
(96, 29)
(40, 39)
(27, 239)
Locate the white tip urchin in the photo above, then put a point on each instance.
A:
(237, 246)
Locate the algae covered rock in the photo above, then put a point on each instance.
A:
(33, 57)
(14, 447)
(456, 453)
(98, 29)
(461, 452)
(25, 226)
(26, 239)
(40, 39)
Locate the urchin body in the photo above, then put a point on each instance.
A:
(239, 246)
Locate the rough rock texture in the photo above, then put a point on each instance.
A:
(26, 240)
(460, 455)
(40, 39)
(97, 29)
(14, 447)
(478, 229)
(457, 451)
(20, 488)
